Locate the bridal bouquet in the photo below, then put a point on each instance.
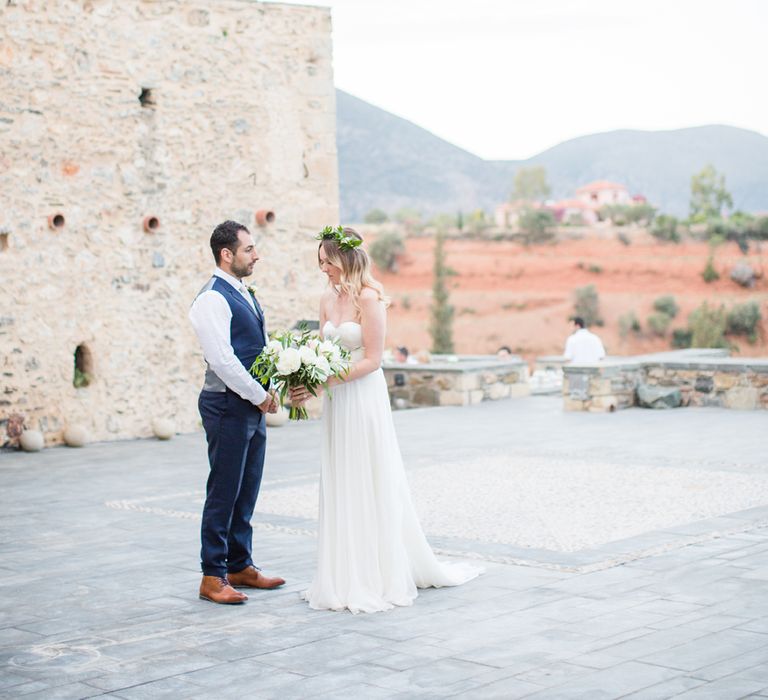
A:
(292, 359)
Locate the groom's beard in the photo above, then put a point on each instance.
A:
(242, 271)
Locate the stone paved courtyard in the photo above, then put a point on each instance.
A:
(626, 555)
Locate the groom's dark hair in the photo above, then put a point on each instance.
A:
(225, 236)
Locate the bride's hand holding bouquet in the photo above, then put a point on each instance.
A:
(300, 360)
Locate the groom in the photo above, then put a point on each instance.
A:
(229, 324)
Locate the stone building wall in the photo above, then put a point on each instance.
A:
(238, 115)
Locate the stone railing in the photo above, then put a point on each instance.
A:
(702, 377)
(462, 381)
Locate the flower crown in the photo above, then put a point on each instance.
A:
(337, 234)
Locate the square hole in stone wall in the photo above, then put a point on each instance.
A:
(147, 97)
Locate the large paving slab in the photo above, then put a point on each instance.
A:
(625, 555)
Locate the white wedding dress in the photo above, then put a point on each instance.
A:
(372, 553)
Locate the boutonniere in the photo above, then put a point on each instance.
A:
(252, 288)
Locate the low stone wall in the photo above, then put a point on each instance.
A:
(469, 380)
(610, 387)
(727, 383)
(704, 377)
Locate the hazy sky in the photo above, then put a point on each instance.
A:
(509, 78)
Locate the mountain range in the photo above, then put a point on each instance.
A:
(389, 163)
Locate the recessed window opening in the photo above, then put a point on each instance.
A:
(4, 235)
(147, 97)
(83, 366)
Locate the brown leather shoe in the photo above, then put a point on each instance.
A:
(217, 590)
(251, 577)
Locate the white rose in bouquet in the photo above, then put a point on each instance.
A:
(288, 361)
(327, 347)
(323, 366)
(274, 347)
(308, 355)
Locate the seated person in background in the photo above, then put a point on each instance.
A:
(583, 347)
(504, 352)
(402, 355)
(423, 357)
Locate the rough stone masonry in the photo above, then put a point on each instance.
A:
(128, 130)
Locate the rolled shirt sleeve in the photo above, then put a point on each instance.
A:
(210, 316)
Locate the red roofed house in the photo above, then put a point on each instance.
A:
(603, 192)
(582, 209)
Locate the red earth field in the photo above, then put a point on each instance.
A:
(505, 293)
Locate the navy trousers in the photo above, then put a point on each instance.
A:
(237, 439)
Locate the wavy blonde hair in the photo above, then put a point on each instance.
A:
(355, 266)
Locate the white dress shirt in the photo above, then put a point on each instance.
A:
(211, 317)
(583, 347)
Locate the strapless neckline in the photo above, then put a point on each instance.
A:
(348, 333)
(331, 323)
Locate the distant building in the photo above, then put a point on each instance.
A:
(574, 211)
(507, 215)
(603, 192)
(583, 209)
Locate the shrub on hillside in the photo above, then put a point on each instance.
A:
(681, 338)
(386, 249)
(707, 325)
(666, 305)
(537, 225)
(621, 214)
(744, 319)
(628, 323)
(575, 219)
(587, 305)
(641, 213)
(710, 274)
(475, 222)
(665, 229)
(659, 323)
(738, 227)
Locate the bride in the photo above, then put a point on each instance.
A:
(372, 553)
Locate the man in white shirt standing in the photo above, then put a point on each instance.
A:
(583, 347)
(229, 324)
